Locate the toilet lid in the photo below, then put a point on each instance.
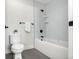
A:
(18, 46)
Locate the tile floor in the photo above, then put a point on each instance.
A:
(29, 54)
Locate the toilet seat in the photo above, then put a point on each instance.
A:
(17, 46)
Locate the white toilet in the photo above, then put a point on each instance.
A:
(16, 46)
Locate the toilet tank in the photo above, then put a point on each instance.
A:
(15, 38)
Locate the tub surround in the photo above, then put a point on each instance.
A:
(54, 51)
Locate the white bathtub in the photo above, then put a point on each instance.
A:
(52, 50)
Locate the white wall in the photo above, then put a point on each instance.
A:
(57, 27)
(21, 10)
(16, 11)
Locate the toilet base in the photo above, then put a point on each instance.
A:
(18, 56)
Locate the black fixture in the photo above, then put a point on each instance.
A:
(21, 23)
(32, 23)
(15, 31)
(42, 36)
(70, 23)
(6, 27)
(41, 39)
(42, 10)
(41, 31)
(24, 23)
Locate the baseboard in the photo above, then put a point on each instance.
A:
(28, 47)
(25, 48)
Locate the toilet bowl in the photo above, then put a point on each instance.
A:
(16, 46)
(17, 50)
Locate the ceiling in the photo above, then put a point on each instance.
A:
(44, 1)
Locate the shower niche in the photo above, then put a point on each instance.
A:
(42, 24)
